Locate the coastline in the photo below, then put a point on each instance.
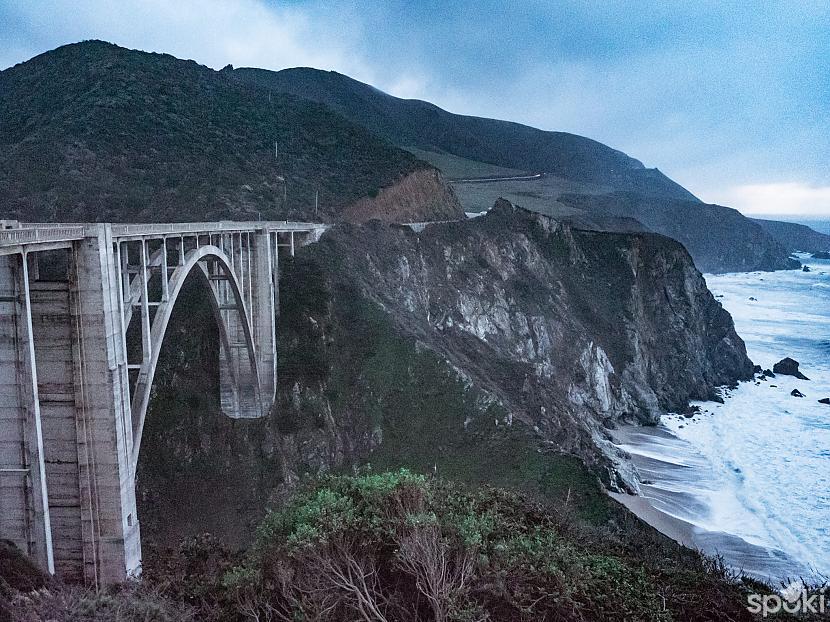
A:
(748, 478)
(673, 500)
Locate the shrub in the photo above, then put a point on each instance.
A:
(400, 546)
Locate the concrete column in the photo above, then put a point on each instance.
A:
(248, 387)
(24, 506)
(106, 480)
(263, 313)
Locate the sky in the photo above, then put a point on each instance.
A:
(730, 99)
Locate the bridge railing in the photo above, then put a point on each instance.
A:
(127, 230)
(29, 235)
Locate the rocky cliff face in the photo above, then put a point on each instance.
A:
(487, 350)
(546, 318)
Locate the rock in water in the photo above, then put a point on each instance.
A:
(824, 400)
(788, 367)
(796, 393)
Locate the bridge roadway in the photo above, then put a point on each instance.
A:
(83, 313)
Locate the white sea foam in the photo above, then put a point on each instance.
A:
(758, 466)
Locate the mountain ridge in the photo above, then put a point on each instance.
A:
(417, 123)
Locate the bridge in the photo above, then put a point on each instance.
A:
(83, 313)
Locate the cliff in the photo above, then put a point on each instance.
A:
(492, 350)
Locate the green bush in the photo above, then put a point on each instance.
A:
(401, 546)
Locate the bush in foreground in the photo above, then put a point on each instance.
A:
(400, 546)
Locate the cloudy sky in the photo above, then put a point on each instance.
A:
(731, 99)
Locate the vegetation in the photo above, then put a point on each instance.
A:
(455, 167)
(94, 132)
(400, 546)
(407, 547)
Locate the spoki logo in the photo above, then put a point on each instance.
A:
(793, 600)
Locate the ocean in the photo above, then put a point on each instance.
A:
(752, 475)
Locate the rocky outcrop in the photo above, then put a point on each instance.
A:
(788, 367)
(620, 324)
(419, 196)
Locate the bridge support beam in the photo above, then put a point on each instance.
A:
(263, 311)
(110, 538)
(24, 506)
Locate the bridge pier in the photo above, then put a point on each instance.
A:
(110, 539)
(65, 427)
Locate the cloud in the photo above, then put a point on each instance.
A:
(779, 198)
(211, 32)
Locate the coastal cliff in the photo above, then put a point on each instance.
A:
(497, 349)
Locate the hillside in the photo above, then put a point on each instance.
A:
(795, 237)
(469, 147)
(92, 132)
(719, 238)
(422, 125)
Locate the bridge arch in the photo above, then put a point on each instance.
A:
(241, 393)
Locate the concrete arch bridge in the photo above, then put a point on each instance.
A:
(83, 313)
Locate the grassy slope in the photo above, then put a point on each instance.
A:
(92, 132)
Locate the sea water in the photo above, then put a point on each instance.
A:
(758, 465)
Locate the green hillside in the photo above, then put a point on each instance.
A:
(92, 132)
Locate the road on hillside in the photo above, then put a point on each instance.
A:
(479, 180)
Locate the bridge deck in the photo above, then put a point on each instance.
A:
(45, 236)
